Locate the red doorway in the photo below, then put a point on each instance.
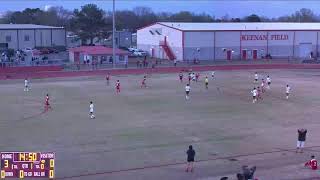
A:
(152, 52)
(255, 54)
(229, 54)
(244, 54)
(77, 57)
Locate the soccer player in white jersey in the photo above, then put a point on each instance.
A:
(187, 91)
(212, 74)
(262, 85)
(288, 88)
(193, 77)
(91, 110)
(268, 82)
(256, 77)
(254, 95)
(26, 85)
(206, 82)
(143, 82)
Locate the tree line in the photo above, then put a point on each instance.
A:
(91, 21)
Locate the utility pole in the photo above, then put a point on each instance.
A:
(113, 35)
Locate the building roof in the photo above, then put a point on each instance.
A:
(27, 26)
(98, 50)
(240, 26)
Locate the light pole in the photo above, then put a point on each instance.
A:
(113, 35)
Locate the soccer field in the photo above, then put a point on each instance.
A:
(144, 133)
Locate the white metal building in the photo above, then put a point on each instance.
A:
(221, 41)
(20, 36)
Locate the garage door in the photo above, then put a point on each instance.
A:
(305, 49)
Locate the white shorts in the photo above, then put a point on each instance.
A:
(300, 144)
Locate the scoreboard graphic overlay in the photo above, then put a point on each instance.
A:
(27, 165)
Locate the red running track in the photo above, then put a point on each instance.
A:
(53, 73)
(29, 69)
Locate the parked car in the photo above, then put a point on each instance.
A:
(53, 50)
(139, 53)
(44, 51)
(27, 49)
(124, 48)
(132, 49)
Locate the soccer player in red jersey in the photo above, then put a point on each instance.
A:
(189, 77)
(259, 93)
(47, 104)
(108, 78)
(197, 76)
(313, 163)
(181, 76)
(118, 86)
(143, 83)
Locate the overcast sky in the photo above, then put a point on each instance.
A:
(218, 8)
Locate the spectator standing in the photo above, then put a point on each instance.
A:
(145, 61)
(248, 173)
(190, 158)
(240, 176)
(302, 133)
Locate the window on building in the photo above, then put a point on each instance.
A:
(8, 38)
(26, 38)
(117, 41)
(151, 32)
(157, 31)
